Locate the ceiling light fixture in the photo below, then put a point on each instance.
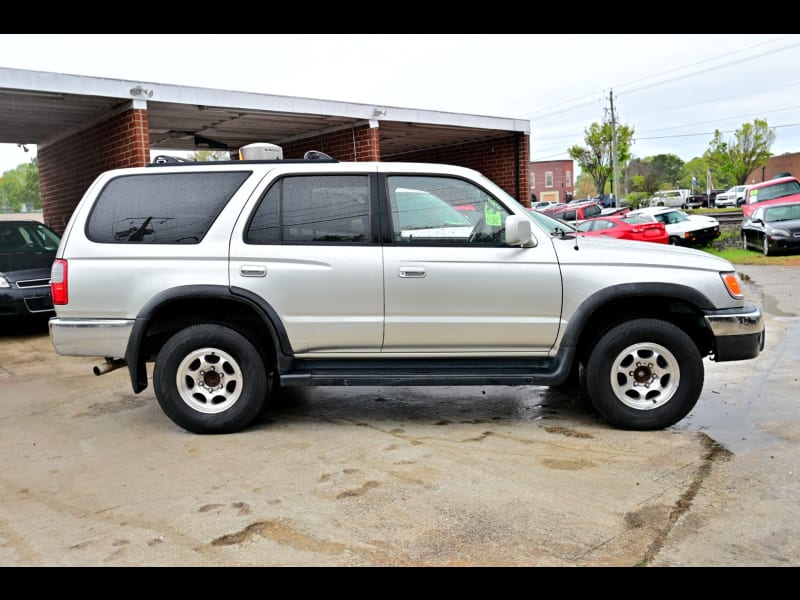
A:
(140, 91)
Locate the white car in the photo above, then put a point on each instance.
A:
(683, 229)
(732, 197)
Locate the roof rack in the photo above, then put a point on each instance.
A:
(250, 154)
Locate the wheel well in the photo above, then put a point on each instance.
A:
(619, 310)
(178, 314)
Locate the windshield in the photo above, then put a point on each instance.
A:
(787, 212)
(551, 225)
(673, 216)
(779, 190)
(25, 245)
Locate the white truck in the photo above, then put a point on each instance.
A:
(671, 198)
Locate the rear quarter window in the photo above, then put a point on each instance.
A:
(161, 208)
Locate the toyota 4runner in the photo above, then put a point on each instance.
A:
(236, 278)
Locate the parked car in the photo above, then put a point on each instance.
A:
(671, 198)
(626, 228)
(773, 228)
(545, 204)
(731, 197)
(253, 275)
(772, 191)
(27, 250)
(616, 212)
(683, 229)
(703, 199)
(575, 211)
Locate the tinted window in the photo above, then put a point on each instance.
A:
(591, 211)
(313, 208)
(161, 208)
(25, 245)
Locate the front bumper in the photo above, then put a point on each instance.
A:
(739, 334)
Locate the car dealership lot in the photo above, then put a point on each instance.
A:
(93, 474)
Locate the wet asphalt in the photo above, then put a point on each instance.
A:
(94, 475)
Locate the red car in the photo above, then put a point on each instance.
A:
(626, 228)
(772, 191)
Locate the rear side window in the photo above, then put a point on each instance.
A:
(591, 211)
(161, 208)
(313, 208)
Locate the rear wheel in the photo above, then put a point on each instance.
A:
(644, 374)
(209, 378)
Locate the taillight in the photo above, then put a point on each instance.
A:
(58, 281)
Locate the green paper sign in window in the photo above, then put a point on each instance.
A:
(492, 214)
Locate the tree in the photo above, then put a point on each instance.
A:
(20, 187)
(642, 176)
(668, 168)
(695, 168)
(584, 186)
(734, 160)
(596, 157)
(206, 155)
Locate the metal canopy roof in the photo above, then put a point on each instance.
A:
(38, 107)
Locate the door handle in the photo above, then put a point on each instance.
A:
(253, 271)
(412, 272)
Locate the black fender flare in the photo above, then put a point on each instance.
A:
(137, 367)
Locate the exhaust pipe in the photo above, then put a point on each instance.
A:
(111, 364)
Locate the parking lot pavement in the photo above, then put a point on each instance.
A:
(93, 475)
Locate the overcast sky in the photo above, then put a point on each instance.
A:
(674, 90)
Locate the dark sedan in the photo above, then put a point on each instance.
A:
(773, 228)
(27, 250)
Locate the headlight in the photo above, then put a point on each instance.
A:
(4, 282)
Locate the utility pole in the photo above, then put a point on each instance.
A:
(615, 187)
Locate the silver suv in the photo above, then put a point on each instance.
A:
(236, 278)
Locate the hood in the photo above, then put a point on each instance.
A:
(16, 265)
(606, 251)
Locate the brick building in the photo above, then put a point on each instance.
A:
(83, 126)
(785, 163)
(552, 180)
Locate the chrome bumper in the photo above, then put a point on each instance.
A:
(84, 337)
(738, 334)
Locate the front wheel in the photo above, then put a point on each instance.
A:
(766, 246)
(744, 242)
(644, 374)
(209, 378)
(674, 241)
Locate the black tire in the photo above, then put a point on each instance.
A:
(674, 241)
(644, 374)
(744, 242)
(765, 244)
(209, 378)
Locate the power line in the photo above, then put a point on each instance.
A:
(590, 99)
(571, 105)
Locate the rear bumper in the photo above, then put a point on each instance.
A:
(739, 334)
(85, 337)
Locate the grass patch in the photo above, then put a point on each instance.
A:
(740, 256)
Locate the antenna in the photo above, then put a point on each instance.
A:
(577, 233)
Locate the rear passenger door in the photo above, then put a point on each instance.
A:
(307, 247)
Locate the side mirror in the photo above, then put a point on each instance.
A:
(519, 232)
